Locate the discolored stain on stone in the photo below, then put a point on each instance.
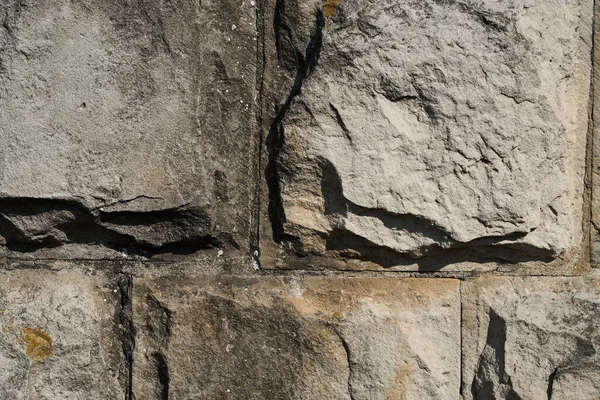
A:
(330, 8)
(60, 337)
(302, 338)
(38, 344)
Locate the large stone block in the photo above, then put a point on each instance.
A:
(420, 129)
(59, 337)
(532, 338)
(296, 338)
(126, 124)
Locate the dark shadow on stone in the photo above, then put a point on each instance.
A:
(30, 224)
(276, 137)
(492, 382)
(443, 252)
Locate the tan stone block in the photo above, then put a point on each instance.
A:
(296, 338)
(450, 131)
(126, 125)
(530, 338)
(59, 337)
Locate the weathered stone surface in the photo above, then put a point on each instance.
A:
(58, 337)
(296, 338)
(531, 338)
(594, 149)
(126, 124)
(414, 128)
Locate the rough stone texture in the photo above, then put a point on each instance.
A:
(594, 149)
(296, 338)
(531, 338)
(126, 124)
(456, 136)
(58, 338)
(416, 128)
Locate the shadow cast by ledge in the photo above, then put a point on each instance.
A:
(31, 224)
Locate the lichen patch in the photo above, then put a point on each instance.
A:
(38, 344)
(330, 8)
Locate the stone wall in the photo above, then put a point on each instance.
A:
(299, 199)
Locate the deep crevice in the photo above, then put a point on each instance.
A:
(551, 383)
(31, 224)
(276, 137)
(125, 316)
(164, 379)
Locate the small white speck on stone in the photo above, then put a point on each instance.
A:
(252, 3)
(124, 252)
(219, 253)
(255, 263)
(233, 27)
(115, 291)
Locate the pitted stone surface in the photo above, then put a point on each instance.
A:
(132, 119)
(58, 337)
(296, 338)
(530, 338)
(420, 126)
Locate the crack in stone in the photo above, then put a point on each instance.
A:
(163, 375)
(125, 317)
(551, 383)
(348, 360)
(276, 137)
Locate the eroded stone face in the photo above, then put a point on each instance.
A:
(530, 338)
(296, 338)
(415, 127)
(595, 151)
(58, 336)
(126, 123)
